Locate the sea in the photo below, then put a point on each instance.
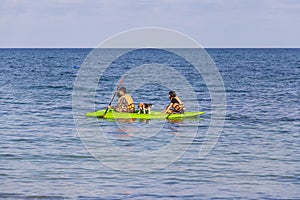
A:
(245, 146)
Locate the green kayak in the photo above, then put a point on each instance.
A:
(154, 115)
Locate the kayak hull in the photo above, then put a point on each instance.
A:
(154, 115)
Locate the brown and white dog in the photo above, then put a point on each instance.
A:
(144, 108)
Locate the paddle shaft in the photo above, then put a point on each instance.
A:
(121, 80)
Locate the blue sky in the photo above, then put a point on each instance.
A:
(213, 23)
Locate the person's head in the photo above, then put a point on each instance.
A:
(122, 91)
(172, 94)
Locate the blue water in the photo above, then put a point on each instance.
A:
(257, 155)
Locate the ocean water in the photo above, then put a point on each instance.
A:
(257, 155)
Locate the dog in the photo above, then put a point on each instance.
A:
(144, 108)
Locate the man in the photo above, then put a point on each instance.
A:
(125, 102)
(175, 106)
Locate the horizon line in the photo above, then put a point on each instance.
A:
(209, 47)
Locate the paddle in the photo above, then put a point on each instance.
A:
(168, 115)
(121, 80)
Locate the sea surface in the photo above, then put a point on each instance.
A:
(44, 154)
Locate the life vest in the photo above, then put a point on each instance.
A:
(178, 106)
(129, 101)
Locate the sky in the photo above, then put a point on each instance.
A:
(212, 23)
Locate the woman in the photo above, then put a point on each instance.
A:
(175, 106)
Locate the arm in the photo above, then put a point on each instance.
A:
(122, 105)
(168, 108)
(113, 107)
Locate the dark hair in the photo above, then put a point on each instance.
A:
(172, 94)
(123, 89)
